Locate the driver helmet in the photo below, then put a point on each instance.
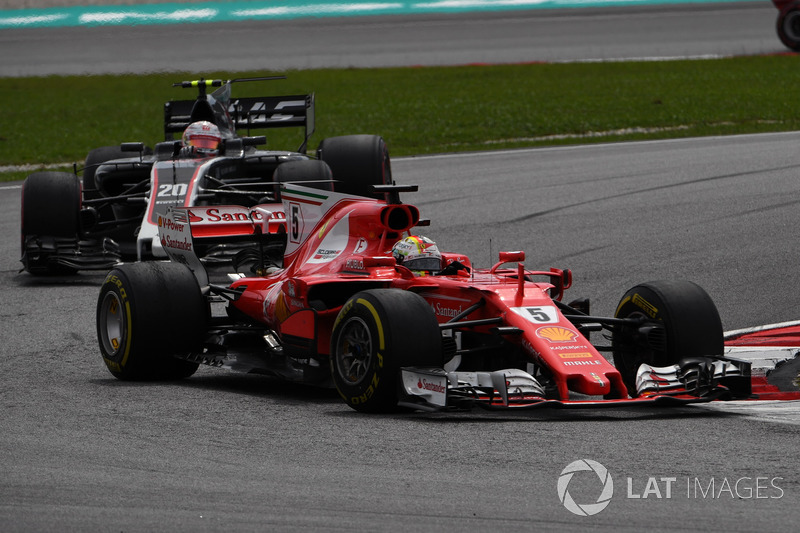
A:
(202, 137)
(419, 253)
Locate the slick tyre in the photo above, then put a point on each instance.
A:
(679, 320)
(788, 27)
(51, 205)
(94, 159)
(147, 313)
(358, 162)
(308, 173)
(377, 332)
(97, 157)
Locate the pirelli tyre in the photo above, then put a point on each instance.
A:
(377, 332)
(94, 159)
(148, 315)
(98, 156)
(788, 26)
(51, 204)
(358, 162)
(307, 172)
(678, 320)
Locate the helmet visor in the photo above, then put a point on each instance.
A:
(204, 142)
(423, 263)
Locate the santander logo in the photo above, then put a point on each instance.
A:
(432, 387)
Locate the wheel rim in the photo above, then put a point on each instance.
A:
(354, 351)
(112, 324)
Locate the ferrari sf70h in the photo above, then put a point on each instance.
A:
(336, 309)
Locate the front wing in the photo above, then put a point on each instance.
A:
(692, 380)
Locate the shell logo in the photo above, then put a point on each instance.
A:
(556, 334)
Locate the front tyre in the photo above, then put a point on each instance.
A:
(146, 314)
(377, 332)
(678, 320)
(51, 205)
(788, 27)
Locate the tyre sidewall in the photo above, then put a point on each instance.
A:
(410, 337)
(94, 159)
(789, 17)
(357, 162)
(379, 385)
(688, 315)
(51, 204)
(50, 210)
(117, 358)
(310, 172)
(164, 314)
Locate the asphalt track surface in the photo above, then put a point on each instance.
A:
(225, 451)
(83, 451)
(381, 41)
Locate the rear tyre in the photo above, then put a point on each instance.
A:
(306, 172)
(94, 159)
(377, 332)
(788, 27)
(358, 162)
(51, 204)
(679, 320)
(146, 314)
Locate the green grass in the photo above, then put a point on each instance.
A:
(50, 120)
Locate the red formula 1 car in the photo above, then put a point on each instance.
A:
(788, 24)
(341, 311)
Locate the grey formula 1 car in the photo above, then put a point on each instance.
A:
(95, 217)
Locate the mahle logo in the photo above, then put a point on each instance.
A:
(605, 487)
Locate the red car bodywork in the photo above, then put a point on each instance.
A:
(338, 245)
(283, 303)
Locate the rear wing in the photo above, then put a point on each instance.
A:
(250, 113)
